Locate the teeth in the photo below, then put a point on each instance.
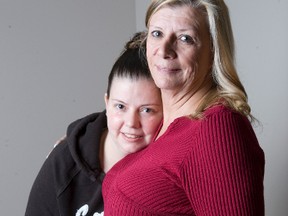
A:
(131, 136)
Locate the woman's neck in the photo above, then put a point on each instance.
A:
(178, 104)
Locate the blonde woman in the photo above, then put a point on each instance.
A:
(205, 158)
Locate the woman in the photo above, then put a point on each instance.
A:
(205, 158)
(70, 181)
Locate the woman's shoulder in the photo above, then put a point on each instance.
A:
(221, 113)
(224, 117)
(223, 123)
(218, 110)
(214, 113)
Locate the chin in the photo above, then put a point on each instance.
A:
(134, 150)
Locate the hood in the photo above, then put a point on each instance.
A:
(83, 137)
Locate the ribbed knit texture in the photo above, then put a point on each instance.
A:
(212, 166)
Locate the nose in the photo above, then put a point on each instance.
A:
(166, 48)
(132, 120)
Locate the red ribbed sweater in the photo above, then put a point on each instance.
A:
(212, 166)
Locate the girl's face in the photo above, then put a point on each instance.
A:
(178, 48)
(134, 112)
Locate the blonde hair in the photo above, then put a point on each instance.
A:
(227, 88)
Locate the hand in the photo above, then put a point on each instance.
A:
(57, 143)
(59, 140)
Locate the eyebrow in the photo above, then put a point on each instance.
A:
(120, 101)
(150, 104)
(195, 27)
(117, 100)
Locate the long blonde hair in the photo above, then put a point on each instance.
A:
(227, 88)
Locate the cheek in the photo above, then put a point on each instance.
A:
(190, 59)
(149, 52)
(150, 127)
(114, 122)
(191, 65)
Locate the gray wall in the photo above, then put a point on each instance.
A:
(261, 33)
(55, 57)
(54, 61)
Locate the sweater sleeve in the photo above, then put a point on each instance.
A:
(42, 199)
(223, 174)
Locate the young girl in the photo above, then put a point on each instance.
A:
(70, 181)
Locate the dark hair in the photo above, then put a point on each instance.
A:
(132, 62)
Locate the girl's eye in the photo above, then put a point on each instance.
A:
(186, 39)
(120, 106)
(156, 33)
(147, 110)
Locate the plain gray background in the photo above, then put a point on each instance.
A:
(55, 57)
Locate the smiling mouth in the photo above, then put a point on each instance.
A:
(166, 69)
(132, 136)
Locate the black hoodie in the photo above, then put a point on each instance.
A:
(70, 180)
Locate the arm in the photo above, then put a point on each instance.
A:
(57, 143)
(42, 199)
(225, 171)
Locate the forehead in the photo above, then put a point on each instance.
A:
(136, 92)
(178, 17)
(118, 80)
(120, 84)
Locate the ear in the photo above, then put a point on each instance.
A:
(106, 99)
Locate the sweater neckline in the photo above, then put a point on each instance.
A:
(206, 113)
(171, 126)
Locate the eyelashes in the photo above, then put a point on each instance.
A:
(183, 38)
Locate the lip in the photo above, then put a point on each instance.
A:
(131, 137)
(165, 69)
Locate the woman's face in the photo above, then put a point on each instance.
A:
(134, 112)
(178, 48)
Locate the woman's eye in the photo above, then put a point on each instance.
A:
(187, 39)
(156, 33)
